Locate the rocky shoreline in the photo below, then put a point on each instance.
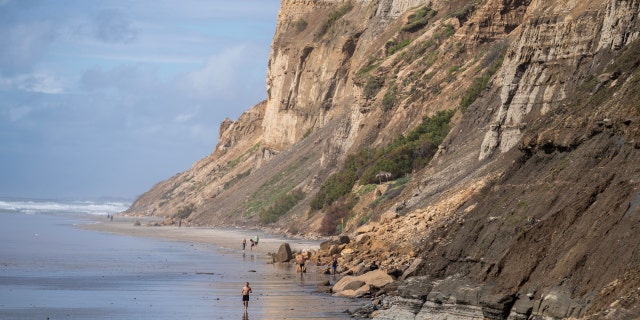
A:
(399, 292)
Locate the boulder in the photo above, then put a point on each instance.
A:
(412, 268)
(376, 279)
(323, 286)
(367, 228)
(334, 249)
(415, 288)
(362, 239)
(325, 245)
(343, 240)
(388, 216)
(284, 253)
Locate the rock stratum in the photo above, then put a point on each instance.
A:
(529, 209)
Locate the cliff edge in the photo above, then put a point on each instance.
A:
(527, 208)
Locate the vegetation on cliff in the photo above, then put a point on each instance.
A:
(406, 154)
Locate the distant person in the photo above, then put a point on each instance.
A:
(373, 266)
(253, 243)
(334, 264)
(257, 240)
(245, 295)
(301, 263)
(244, 244)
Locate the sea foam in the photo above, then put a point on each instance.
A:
(57, 206)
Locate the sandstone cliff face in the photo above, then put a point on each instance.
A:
(530, 207)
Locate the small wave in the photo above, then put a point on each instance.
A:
(48, 206)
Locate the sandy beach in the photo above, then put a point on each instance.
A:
(71, 267)
(280, 287)
(225, 238)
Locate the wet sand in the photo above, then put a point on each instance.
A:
(279, 292)
(78, 268)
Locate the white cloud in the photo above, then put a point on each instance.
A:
(40, 82)
(219, 76)
(184, 117)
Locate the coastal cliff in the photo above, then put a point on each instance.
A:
(529, 205)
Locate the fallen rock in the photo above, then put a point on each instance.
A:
(284, 253)
(376, 279)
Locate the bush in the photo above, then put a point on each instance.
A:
(392, 192)
(372, 87)
(185, 211)
(420, 19)
(341, 183)
(281, 206)
(372, 64)
(465, 12)
(393, 47)
(333, 17)
(334, 217)
(389, 99)
(401, 157)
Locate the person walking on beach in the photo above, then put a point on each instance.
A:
(301, 261)
(244, 244)
(245, 295)
(334, 264)
(257, 240)
(252, 243)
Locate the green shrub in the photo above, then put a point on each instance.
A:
(419, 50)
(333, 17)
(281, 206)
(419, 19)
(393, 191)
(372, 87)
(340, 183)
(389, 99)
(463, 13)
(366, 189)
(393, 47)
(364, 70)
(185, 211)
(448, 31)
(401, 157)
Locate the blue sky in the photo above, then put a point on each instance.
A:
(106, 98)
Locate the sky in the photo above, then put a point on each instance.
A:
(105, 98)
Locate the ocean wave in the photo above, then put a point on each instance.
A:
(54, 206)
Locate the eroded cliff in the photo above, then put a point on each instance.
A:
(529, 208)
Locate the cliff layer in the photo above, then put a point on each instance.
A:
(529, 207)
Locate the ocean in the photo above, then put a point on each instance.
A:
(50, 268)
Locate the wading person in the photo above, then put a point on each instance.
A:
(245, 295)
